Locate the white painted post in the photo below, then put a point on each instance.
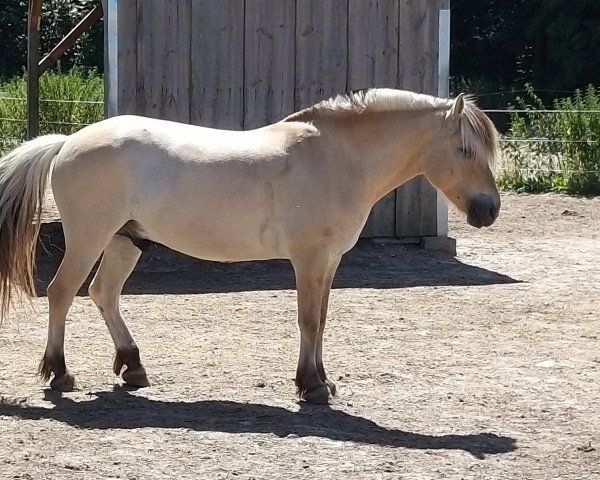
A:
(111, 95)
(443, 91)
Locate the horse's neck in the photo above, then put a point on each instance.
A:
(387, 147)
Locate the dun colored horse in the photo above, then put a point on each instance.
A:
(300, 189)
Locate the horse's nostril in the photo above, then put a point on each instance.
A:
(494, 212)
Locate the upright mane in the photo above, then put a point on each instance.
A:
(479, 136)
(371, 100)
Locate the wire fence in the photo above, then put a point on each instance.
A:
(534, 146)
(553, 140)
(56, 116)
(551, 149)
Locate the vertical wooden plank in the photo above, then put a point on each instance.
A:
(163, 40)
(416, 202)
(175, 88)
(321, 50)
(373, 62)
(149, 68)
(217, 58)
(126, 57)
(372, 43)
(170, 40)
(33, 76)
(429, 200)
(410, 77)
(269, 63)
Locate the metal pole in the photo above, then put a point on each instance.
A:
(443, 91)
(33, 76)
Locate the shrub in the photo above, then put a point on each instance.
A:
(68, 101)
(562, 151)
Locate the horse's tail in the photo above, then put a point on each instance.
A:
(23, 178)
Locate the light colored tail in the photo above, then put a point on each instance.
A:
(23, 178)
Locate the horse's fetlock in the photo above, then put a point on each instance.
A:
(64, 383)
(52, 364)
(317, 394)
(129, 355)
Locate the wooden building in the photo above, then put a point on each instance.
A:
(241, 64)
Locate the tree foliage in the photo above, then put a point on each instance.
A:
(503, 44)
(58, 17)
(497, 45)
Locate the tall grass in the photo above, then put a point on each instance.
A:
(562, 151)
(68, 101)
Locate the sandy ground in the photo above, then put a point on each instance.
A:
(483, 366)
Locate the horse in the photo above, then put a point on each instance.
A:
(300, 189)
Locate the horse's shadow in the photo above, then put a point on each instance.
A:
(119, 409)
(368, 265)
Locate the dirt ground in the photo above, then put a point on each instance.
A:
(483, 366)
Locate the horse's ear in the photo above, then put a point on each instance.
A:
(457, 106)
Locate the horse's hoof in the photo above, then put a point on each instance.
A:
(331, 386)
(136, 377)
(64, 383)
(318, 395)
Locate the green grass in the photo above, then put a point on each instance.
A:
(564, 155)
(66, 105)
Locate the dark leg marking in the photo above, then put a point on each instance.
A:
(135, 374)
(63, 381)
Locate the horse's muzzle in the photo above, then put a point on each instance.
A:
(483, 211)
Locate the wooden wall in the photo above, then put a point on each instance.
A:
(241, 64)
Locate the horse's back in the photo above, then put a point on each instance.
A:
(121, 130)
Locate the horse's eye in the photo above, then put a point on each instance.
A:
(467, 152)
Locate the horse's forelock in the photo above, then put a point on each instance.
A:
(479, 136)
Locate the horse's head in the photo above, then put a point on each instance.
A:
(458, 162)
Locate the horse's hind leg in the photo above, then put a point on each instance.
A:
(118, 262)
(81, 252)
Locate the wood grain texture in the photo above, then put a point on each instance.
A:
(416, 202)
(127, 56)
(322, 50)
(175, 90)
(372, 44)
(373, 62)
(150, 48)
(217, 60)
(269, 63)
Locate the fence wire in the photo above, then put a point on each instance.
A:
(542, 154)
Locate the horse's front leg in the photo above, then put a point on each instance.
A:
(332, 268)
(310, 278)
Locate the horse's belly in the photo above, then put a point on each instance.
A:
(232, 240)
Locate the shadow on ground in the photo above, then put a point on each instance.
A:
(368, 265)
(120, 409)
